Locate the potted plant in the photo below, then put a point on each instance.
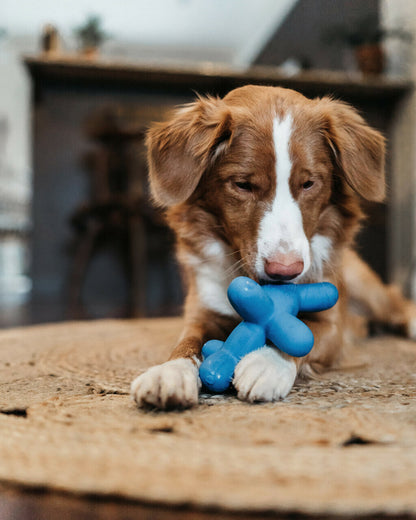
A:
(365, 37)
(90, 36)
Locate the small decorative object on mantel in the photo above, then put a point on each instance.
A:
(90, 36)
(366, 38)
(50, 41)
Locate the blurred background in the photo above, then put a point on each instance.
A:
(80, 81)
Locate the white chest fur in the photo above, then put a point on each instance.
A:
(214, 271)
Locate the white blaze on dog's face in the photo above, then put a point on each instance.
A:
(283, 250)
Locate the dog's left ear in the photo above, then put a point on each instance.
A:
(359, 150)
(183, 148)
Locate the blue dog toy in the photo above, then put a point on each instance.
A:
(269, 312)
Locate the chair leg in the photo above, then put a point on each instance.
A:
(82, 257)
(138, 265)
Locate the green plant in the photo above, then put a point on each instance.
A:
(91, 34)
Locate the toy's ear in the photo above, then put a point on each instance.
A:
(359, 150)
(316, 297)
(250, 300)
(182, 149)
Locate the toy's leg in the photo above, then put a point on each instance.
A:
(379, 302)
(264, 375)
(176, 383)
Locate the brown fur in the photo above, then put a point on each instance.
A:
(201, 161)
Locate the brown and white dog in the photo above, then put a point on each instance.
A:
(265, 183)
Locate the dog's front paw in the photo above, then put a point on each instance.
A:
(264, 375)
(174, 384)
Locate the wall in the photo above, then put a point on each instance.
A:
(302, 34)
(15, 118)
(15, 160)
(215, 30)
(402, 59)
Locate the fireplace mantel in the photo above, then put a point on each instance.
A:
(210, 77)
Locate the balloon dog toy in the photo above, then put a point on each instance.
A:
(269, 312)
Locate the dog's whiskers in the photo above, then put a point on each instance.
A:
(208, 260)
(237, 251)
(233, 269)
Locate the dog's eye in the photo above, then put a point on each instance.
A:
(244, 186)
(307, 185)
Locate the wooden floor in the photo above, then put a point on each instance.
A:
(43, 505)
(74, 445)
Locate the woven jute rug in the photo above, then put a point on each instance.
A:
(345, 444)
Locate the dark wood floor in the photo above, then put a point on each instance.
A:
(38, 505)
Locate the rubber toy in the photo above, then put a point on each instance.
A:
(269, 312)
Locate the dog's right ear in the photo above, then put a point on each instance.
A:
(183, 148)
(358, 150)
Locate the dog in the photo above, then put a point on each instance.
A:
(265, 183)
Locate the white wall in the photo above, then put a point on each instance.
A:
(15, 158)
(235, 28)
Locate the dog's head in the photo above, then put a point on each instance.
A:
(279, 173)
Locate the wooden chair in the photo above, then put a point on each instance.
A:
(118, 211)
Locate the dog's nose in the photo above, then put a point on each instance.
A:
(283, 268)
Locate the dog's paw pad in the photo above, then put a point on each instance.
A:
(174, 384)
(264, 375)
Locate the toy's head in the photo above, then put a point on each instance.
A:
(275, 309)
